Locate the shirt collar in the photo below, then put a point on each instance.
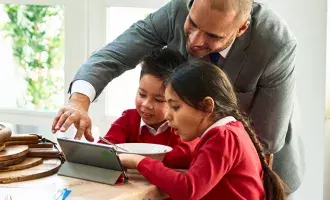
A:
(225, 52)
(220, 122)
(161, 128)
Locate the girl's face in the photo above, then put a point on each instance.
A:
(150, 101)
(188, 122)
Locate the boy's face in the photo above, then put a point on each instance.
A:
(150, 101)
(184, 119)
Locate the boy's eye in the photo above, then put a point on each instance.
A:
(142, 95)
(175, 108)
(160, 100)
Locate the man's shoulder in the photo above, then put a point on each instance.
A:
(269, 28)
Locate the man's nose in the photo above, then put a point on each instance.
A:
(196, 38)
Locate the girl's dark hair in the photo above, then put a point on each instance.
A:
(195, 80)
(161, 63)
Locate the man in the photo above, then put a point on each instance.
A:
(247, 40)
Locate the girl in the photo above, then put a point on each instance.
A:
(146, 123)
(228, 162)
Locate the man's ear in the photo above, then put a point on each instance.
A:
(208, 105)
(190, 3)
(243, 28)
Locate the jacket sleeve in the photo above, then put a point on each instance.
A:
(126, 50)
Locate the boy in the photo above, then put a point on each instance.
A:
(146, 123)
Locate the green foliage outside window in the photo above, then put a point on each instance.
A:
(37, 38)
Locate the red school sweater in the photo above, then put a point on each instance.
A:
(126, 129)
(225, 166)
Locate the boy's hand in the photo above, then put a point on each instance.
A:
(75, 112)
(130, 161)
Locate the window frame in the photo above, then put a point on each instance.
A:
(82, 37)
(75, 46)
(98, 38)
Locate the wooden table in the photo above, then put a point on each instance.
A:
(137, 188)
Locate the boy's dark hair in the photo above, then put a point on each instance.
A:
(193, 81)
(161, 63)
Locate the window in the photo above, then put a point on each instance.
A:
(42, 43)
(327, 87)
(78, 36)
(32, 49)
(121, 91)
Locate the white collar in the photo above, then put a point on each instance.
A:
(225, 52)
(220, 122)
(154, 132)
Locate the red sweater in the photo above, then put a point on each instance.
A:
(225, 166)
(126, 129)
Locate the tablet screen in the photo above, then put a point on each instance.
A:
(93, 154)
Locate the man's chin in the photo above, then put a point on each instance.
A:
(196, 54)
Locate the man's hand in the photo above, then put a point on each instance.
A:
(75, 112)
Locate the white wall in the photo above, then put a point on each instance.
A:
(308, 20)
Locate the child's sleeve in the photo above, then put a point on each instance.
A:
(215, 158)
(118, 132)
(181, 155)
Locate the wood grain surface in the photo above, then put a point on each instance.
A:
(11, 152)
(21, 142)
(24, 137)
(43, 152)
(27, 163)
(46, 168)
(12, 161)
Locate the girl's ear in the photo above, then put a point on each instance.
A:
(207, 105)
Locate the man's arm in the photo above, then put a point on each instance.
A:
(272, 107)
(127, 50)
(111, 61)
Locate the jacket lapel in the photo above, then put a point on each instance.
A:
(237, 56)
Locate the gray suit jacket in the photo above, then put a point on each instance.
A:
(260, 65)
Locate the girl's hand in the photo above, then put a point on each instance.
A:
(130, 161)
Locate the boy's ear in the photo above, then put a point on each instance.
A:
(208, 105)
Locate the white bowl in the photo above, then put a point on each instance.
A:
(154, 151)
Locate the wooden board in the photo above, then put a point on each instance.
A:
(41, 145)
(21, 142)
(24, 137)
(43, 152)
(12, 161)
(27, 163)
(12, 152)
(46, 168)
(5, 134)
(2, 146)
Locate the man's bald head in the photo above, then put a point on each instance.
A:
(242, 8)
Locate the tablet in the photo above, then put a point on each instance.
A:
(92, 154)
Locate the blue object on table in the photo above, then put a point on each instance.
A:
(64, 194)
